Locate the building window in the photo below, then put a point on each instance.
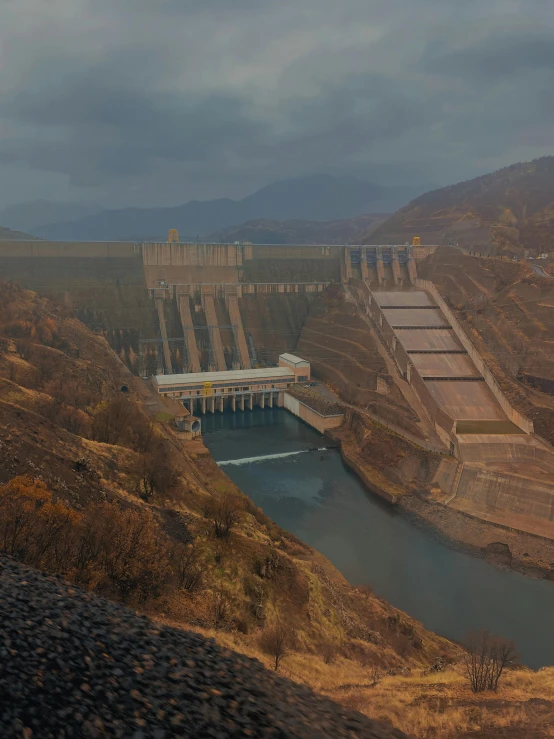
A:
(303, 378)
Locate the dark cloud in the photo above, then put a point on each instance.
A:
(141, 102)
(498, 55)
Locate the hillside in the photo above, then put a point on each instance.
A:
(315, 198)
(6, 234)
(500, 213)
(107, 494)
(95, 461)
(263, 231)
(193, 687)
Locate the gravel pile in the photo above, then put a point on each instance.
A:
(75, 665)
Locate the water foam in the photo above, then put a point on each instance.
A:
(264, 457)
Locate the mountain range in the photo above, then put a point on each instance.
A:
(314, 198)
(34, 214)
(264, 231)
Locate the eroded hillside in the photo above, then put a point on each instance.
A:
(504, 212)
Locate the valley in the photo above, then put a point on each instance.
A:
(434, 496)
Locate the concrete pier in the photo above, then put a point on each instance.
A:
(238, 330)
(183, 301)
(396, 269)
(380, 268)
(163, 331)
(213, 328)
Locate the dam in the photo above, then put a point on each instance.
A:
(384, 338)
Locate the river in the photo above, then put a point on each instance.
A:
(313, 495)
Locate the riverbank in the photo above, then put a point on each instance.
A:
(525, 553)
(371, 451)
(278, 461)
(528, 554)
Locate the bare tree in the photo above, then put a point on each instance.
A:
(375, 676)
(278, 642)
(224, 512)
(485, 660)
(190, 568)
(220, 606)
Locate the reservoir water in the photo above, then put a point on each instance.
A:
(313, 495)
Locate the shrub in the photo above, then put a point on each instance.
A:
(329, 653)
(114, 550)
(155, 473)
(190, 568)
(225, 512)
(277, 642)
(33, 528)
(220, 607)
(485, 659)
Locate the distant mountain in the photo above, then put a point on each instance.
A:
(507, 211)
(315, 198)
(33, 215)
(263, 231)
(6, 234)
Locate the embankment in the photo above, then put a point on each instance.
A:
(321, 422)
(389, 465)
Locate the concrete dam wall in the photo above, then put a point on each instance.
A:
(174, 306)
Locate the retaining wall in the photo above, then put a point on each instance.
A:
(507, 493)
(310, 416)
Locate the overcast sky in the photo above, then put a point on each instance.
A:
(154, 102)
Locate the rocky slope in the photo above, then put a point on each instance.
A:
(500, 213)
(77, 665)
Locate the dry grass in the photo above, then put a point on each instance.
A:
(437, 705)
(442, 705)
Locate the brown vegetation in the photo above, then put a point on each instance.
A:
(115, 551)
(485, 660)
(502, 212)
(277, 642)
(224, 512)
(99, 518)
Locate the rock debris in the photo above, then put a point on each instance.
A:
(76, 665)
